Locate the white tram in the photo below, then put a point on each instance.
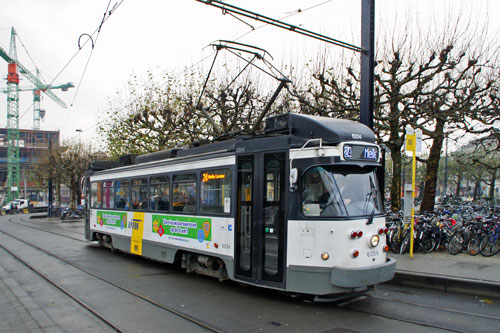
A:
(297, 208)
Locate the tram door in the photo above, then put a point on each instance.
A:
(260, 227)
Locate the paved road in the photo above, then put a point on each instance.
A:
(226, 307)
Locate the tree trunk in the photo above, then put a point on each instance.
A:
(477, 186)
(432, 168)
(491, 193)
(78, 196)
(58, 190)
(459, 184)
(72, 195)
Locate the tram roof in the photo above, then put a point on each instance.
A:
(331, 130)
(290, 129)
(299, 127)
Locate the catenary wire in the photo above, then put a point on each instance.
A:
(115, 7)
(296, 12)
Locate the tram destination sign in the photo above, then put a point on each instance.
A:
(360, 153)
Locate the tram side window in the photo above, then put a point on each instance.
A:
(159, 193)
(108, 194)
(122, 192)
(216, 191)
(139, 194)
(96, 194)
(184, 193)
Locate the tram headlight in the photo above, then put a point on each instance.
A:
(374, 240)
(325, 256)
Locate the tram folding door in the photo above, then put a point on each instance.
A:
(260, 227)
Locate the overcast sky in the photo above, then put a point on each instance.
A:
(171, 35)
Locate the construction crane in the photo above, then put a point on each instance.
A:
(14, 68)
(38, 112)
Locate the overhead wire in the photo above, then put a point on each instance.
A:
(296, 12)
(27, 52)
(94, 43)
(105, 18)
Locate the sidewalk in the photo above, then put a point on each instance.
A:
(461, 273)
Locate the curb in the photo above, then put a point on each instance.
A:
(38, 216)
(446, 283)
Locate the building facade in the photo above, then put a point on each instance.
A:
(32, 144)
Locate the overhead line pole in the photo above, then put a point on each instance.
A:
(367, 61)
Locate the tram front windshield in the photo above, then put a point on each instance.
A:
(340, 191)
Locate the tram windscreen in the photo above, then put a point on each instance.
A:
(340, 191)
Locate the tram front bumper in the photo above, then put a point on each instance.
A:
(363, 276)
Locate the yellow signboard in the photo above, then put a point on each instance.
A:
(207, 177)
(411, 142)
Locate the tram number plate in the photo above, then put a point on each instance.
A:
(372, 253)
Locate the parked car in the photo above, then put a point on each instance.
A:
(22, 204)
(38, 206)
(11, 206)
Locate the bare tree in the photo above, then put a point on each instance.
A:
(168, 113)
(67, 164)
(481, 159)
(437, 85)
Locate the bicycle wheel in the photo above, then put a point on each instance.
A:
(395, 243)
(495, 248)
(456, 243)
(474, 244)
(405, 243)
(439, 246)
(428, 243)
(491, 245)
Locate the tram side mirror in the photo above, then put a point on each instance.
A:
(294, 174)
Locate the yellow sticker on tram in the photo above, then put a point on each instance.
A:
(137, 233)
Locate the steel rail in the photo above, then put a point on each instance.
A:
(127, 290)
(63, 290)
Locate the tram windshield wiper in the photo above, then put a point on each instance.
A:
(372, 214)
(371, 195)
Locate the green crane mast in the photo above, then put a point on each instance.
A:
(13, 110)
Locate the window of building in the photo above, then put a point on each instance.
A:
(215, 191)
(184, 193)
(159, 193)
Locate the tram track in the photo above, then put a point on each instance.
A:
(25, 223)
(427, 306)
(64, 291)
(351, 306)
(414, 322)
(369, 309)
(190, 319)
